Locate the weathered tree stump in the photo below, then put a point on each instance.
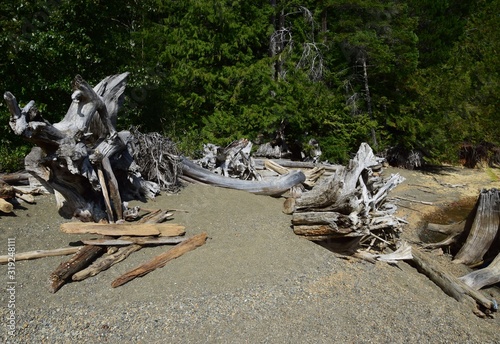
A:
(83, 159)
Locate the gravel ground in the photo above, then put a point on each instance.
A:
(253, 282)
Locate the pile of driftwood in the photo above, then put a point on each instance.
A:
(349, 205)
(116, 242)
(92, 170)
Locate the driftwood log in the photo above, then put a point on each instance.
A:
(162, 259)
(273, 187)
(80, 260)
(350, 203)
(82, 158)
(42, 254)
(451, 285)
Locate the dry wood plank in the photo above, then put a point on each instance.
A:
(123, 241)
(80, 260)
(131, 229)
(162, 259)
(41, 254)
(26, 198)
(451, 285)
(105, 262)
(5, 206)
(484, 229)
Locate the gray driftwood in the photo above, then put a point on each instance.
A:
(70, 153)
(274, 187)
(484, 228)
(452, 285)
(485, 276)
(350, 203)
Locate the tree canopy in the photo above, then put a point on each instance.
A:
(420, 75)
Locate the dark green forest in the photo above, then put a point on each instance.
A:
(407, 75)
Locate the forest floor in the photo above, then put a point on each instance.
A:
(254, 281)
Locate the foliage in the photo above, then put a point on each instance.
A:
(341, 71)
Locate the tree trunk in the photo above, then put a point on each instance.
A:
(369, 101)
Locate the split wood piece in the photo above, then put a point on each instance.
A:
(131, 229)
(5, 206)
(105, 194)
(114, 191)
(80, 260)
(452, 228)
(26, 198)
(413, 200)
(451, 285)
(484, 228)
(156, 216)
(105, 262)
(122, 241)
(41, 254)
(484, 277)
(274, 187)
(162, 259)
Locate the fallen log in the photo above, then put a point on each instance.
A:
(323, 224)
(131, 229)
(484, 229)
(16, 178)
(162, 259)
(484, 277)
(62, 274)
(451, 285)
(274, 187)
(41, 254)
